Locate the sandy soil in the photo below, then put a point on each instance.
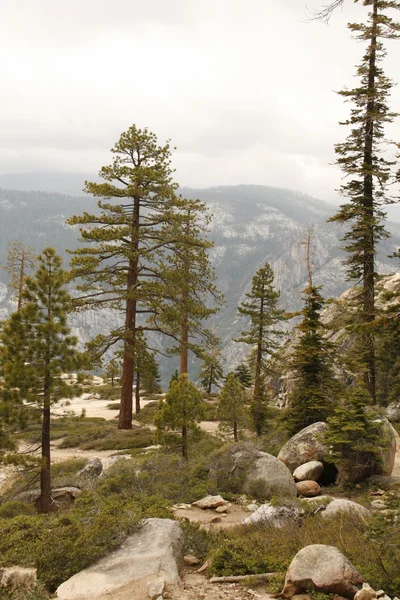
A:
(195, 586)
(93, 407)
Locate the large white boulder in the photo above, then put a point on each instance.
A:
(155, 550)
(244, 469)
(277, 516)
(323, 569)
(341, 505)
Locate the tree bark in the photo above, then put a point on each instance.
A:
(257, 383)
(137, 393)
(184, 351)
(128, 366)
(185, 452)
(44, 502)
(235, 431)
(368, 199)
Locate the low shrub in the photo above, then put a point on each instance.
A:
(373, 549)
(13, 508)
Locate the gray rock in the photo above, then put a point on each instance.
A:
(339, 505)
(310, 471)
(62, 497)
(156, 588)
(246, 470)
(378, 504)
(154, 550)
(324, 569)
(308, 489)
(305, 447)
(211, 502)
(93, 468)
(276, 516)
(252, 507)
(393, 411)
(110, 461)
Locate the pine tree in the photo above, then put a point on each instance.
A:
(314, 394)
(315, 388)
(112, 371)
(242, 372)
(124, 242)
(186, 295)
(212, 372)
(181, 411)
(362, 159)
(354, 436)
(231, 404)
(20, 259)
(261, 307)
(37, 349)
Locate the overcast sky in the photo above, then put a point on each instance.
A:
(243, 88)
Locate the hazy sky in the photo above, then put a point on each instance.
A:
(243, 88)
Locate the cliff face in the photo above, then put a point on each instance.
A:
(250, 225)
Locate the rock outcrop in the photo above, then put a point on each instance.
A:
(304, 447)
(154, 551)
(323, 569)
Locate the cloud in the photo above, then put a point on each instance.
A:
(244, 90)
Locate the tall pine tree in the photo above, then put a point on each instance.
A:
(362, 159)
(186, 294)
(261, 308)
(124, 242)
(37, 349)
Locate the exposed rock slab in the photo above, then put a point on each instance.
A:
(154, 550)
(324, 569)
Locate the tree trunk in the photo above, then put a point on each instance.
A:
(137, 393)
(257, 382)
(44, 502)
(128, 366)
(209, 384)
(235, 431)
(184, 351)
(368, 199)
(21, 281)
(185, 452)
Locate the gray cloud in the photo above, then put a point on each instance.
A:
(244, 90)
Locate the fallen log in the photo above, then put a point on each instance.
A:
(239, 578)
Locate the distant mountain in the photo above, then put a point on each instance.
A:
(250, 224)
